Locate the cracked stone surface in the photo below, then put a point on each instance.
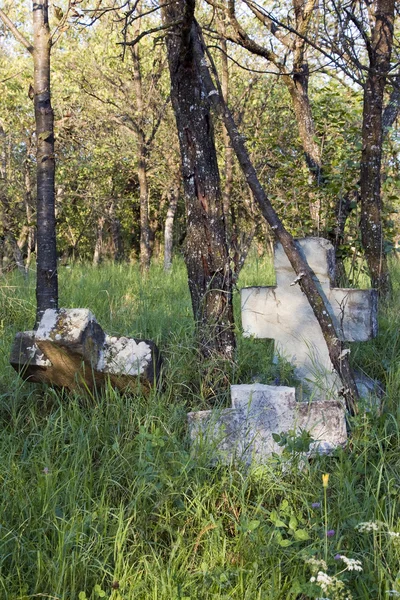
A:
(245, 431)
(71, 350)
(282, 312)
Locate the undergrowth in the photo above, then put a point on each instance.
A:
(103, 497)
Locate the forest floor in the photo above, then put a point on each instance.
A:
(102, 496)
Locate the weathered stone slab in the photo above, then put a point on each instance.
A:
(245, 431)
(70, 349)
(283, 313)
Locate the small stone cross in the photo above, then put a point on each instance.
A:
(245, 431)
(70, 350)
(283, 313)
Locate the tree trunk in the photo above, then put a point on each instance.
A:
(47, 279)
(206, 254)
(371, 204)
(116, 237)
(145, 249)
(169, 224)
(99, 242)
(28, 209)
(306, 278)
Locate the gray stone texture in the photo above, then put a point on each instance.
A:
(244, 432)
(70, 350)
(283, 313)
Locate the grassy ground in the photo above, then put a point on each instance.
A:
(103, 498)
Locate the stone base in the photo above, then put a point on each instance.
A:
(70, 350)
(245, 431)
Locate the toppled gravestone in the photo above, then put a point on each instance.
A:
(284, 314)
(245, 431)
(70, 350)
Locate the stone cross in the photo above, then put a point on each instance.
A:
(71, 350)
(245, 431)
(283, 313)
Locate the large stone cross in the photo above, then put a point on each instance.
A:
(245, 431)
(283, 313)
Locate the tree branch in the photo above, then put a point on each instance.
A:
(308, 281)
(148, 32)
(18, 36)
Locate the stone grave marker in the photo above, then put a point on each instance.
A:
(283, 313)
(245, 431)
(70, 349)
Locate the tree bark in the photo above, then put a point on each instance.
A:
(379, 50)
(99, 242)
(206, 253)
(145, 249)
(169, 223)
(306, 278)
(47, 279)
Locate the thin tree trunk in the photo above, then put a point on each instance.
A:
(28, 209)
(306, 278)
(169, 225)
(145, 249)
(206, 254)
(47, 279)
(228, 166)
(99, 242)
(115, 228)
(372, 136)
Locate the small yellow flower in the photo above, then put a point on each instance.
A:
(325, 479)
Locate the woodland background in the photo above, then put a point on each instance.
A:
(298, 102)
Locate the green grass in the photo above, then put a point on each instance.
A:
(105, 490)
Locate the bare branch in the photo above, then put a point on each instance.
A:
(148, 32)
(17, 34)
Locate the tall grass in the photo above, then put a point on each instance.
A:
(103, 496)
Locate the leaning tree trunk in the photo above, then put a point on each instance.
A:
(206, 253)
(372, 136)
(305, 276)
(47, 280)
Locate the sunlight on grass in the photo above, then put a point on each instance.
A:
(103, 498)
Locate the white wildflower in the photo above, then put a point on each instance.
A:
(393, 534)
(316, 565)
(351, 563)
(323, 580)
(367, 527)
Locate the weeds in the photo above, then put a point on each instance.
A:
(104, 498)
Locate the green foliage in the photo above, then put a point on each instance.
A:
(102, 497)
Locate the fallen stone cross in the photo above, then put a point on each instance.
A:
(245, 431)
(70, 349)
(283, 313)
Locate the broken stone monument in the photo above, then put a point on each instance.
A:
(245, 431)
(283, 313)
(70, 350)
